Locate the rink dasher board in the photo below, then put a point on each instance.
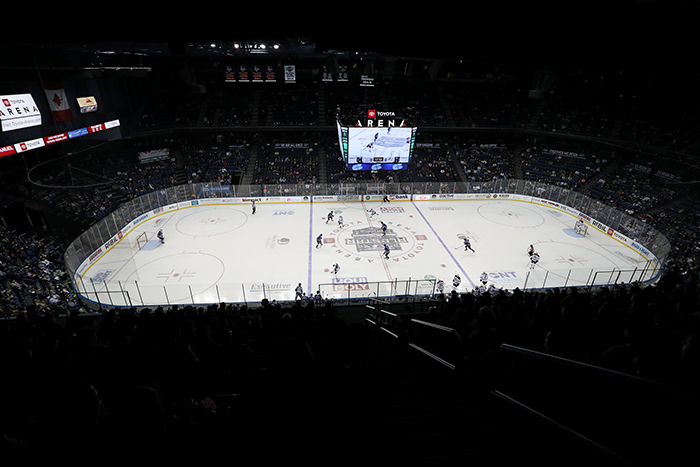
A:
(263, 200)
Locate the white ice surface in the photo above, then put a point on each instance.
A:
(215, 253)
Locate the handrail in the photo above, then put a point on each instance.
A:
(432, 355)
(433, 325)
(601, 370)
(561, 427)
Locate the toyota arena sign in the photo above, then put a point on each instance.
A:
(18, 111)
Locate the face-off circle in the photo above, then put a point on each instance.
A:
(207, 222)
(196, 272)
(510, 215)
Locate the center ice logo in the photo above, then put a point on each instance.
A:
(373, 239)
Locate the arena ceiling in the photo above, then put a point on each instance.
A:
(657, 34)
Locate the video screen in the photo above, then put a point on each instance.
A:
(379, 145)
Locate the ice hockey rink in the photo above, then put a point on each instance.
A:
(220, 251)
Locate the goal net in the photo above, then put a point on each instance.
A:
(581, 228)
(141, 240)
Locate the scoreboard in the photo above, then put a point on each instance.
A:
(375, 144)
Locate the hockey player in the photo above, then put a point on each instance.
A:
(468, 245)
(299, 292)
(161, 236)
(440, 286)
(530, 251)
(578, 227)
(318, 299)
(336, 268)
(383, 228)
(340, 221)
(386, 251)
(329, 217)
(319, 241)
(254, 208)
(372, 212)
(484, 277)
(534, 259)
(456, 281)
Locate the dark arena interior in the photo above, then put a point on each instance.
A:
(604, 104)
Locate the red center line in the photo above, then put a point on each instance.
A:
(381, 255)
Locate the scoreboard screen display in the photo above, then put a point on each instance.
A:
(379, 145)
(376, 148)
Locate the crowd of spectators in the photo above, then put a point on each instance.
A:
(577, 105)
(286, 164)
(94, 186)
(485, 162)
(216, 163)
(279, 107)
(650, 332)
(171, 382)
(164, 111)
(575, 114)
(228, 106)
(481, 104)
(32, 274)
(569, 169)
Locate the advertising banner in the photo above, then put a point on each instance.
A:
(18, 111)
(87, 104)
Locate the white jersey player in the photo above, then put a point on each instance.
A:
(530, 250)
(534, 259)
(484, 277)
(335, 269)
(340, 221)
(456, 281)
(440, 286)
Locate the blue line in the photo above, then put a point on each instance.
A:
(449, 252)
(311, 242)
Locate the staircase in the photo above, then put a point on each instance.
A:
(430, 414)
(247, 177)
(541, 108)
(517, 161)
